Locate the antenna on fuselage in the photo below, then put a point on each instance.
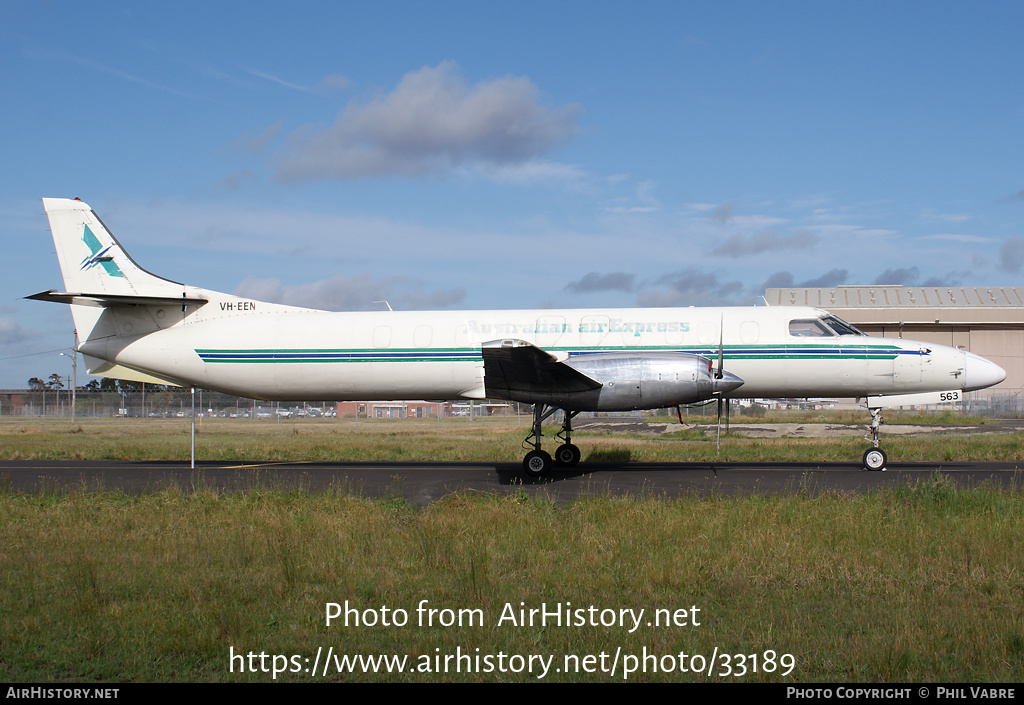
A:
(385, 303)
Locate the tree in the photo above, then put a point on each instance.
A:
(36, 384)
(55, 382)
(128, 387)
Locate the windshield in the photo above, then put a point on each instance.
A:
(826, 327)
(840, 326)
(809, 328)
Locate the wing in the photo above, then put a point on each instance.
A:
(518, 370)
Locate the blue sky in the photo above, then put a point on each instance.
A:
(511, 154)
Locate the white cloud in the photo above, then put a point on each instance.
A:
(968, 239)
(12, 333)
(334, 82)
(1011, 254)
(592, 282)
(279, 81)
(533, 171)
(642, 200)
(430, 123)
(764, 241)
(248, 143)
(692, 287)
(357, 293)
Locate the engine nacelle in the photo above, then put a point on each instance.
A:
(648, 380)
(601, 381)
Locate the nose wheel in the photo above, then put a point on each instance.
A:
(874, 457)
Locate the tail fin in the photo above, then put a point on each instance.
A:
(92, 261)
(98, 273)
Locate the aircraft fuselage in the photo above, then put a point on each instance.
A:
(273, 352)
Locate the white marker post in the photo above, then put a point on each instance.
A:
(193, 428)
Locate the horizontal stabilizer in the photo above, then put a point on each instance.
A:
(104, 300)
(513, 368)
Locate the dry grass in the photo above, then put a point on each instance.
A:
(919, 584)
(922, 584)
(453, 439)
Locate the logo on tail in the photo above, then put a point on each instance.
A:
(99, 255)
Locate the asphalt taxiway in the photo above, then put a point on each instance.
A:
(421, 483)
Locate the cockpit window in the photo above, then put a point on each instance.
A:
(840, 326)
(809, 328)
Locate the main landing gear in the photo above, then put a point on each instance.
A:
(537, 462)
(874, 457)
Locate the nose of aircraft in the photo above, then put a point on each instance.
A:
(980, 373)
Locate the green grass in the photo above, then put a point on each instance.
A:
(946, 417)
(459, 439)
(920, 584)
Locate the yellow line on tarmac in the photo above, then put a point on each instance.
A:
(263, 465)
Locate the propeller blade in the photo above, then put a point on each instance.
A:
(721, 356)
(718, 441)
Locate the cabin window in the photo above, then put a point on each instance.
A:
(809, 328)
(382, 336)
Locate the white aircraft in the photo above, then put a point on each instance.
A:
(134, 325)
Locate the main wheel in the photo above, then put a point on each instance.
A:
(874, 459)
(567, 454)
(537, 463)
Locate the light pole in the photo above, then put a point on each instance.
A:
(74, 377)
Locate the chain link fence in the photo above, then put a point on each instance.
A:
(1002, 403)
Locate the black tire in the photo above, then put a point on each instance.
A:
(874, 459)
(568, 455)
(537, 463)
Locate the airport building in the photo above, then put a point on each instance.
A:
(988, 321)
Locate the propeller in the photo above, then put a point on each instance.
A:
(718, 375)
(721, 335)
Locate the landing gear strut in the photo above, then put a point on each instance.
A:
(874, 457)
(567, 454)
(537, 462)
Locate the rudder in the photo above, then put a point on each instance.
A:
(96, 269)
(91, 260)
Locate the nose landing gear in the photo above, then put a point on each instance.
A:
(874, 457)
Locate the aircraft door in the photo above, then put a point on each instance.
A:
(906, 369)
(593, 329)
(422, 336)
(550, 330)
(749, 332)
(382, 337)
